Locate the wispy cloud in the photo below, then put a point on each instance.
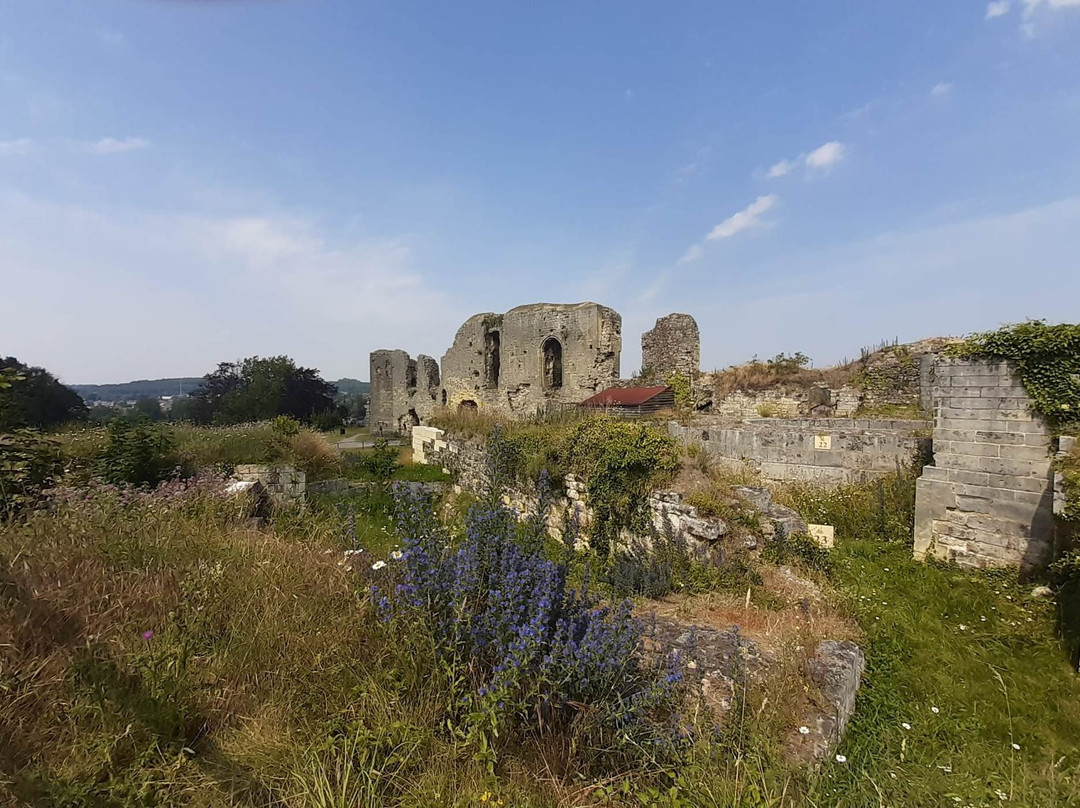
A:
(111, 39)
(781, 168)
(826, 156)
(693, 254)
(822, 158)
(112, 145)
(998, 8)
(748, 217)
(13, 147)
(941, 89)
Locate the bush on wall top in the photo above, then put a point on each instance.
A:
(1047, 358)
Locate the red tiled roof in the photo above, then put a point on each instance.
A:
(623, 396)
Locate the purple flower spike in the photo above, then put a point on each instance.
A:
(148, 635)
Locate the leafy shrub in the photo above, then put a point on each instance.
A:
(767, 410)
(380, 463)
(138, 453)
(784, 548)
(285, 426)
(325, 421)
(1047, 358)
(520, 649)
(29, 466)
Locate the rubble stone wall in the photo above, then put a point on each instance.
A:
(404, 391)
(532, 357)
(672, 346)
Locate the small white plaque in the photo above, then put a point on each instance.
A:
(822, 534)
(822, 441)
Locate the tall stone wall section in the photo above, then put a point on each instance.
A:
(532, 357)
(672, 346)
(987, 500)
(823, 450)
(404, 391)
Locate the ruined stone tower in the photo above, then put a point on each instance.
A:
(673, 346)
(404, 391)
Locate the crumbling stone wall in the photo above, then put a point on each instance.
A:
(823, 450)
(532, 357)
(672, 346)
(404, 391)
(987, 501)
(284, 485)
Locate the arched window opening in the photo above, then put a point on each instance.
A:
(551, 351)
(492, 358)
(468, 406)
(444, 398)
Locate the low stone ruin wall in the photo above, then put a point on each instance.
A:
(988, 499)
(779, 403)
(283, 484)
(468, 462)
(825, 450)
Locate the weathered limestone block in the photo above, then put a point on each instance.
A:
(836, 668)
(672, 346)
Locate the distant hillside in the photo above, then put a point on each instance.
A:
(156, 388)
(143, 388)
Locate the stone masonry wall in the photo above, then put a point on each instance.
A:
(825, 450)
(404, 391)
(532, 357)
(987, 500)
(283, 484)
(672, 346)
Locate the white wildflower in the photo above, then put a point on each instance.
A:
(378, 565)
(905, 725)
(804, 730)
(935, 710)
(841, 759)
(1016, 746)
(397, 555)
(963, 627)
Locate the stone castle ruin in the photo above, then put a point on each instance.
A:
(985, 498)
(528, 359)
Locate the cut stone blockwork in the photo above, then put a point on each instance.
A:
(673, 346)
(532, 357)
(284, 485)
(404, 391)
(987, 500)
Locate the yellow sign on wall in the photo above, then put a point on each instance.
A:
(822, 441)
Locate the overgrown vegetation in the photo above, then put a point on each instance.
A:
(32, 397)
(1047, 358)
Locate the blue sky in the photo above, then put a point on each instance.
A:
(186, 182)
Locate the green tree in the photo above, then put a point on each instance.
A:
(32, 397)
(149, 408)
(258, 389)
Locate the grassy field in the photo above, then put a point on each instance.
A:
(158, 649)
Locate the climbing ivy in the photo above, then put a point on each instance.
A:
(1069, 468)
(1047, 358)
(680, 386)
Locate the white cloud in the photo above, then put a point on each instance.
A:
(744, 219)
(941, 89)
(826, 155)
(781, 168)
(112, 145)
(997, 8)
(12, 147)
(693, 254)
(200, 289)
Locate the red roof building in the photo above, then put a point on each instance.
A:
(633, 400)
